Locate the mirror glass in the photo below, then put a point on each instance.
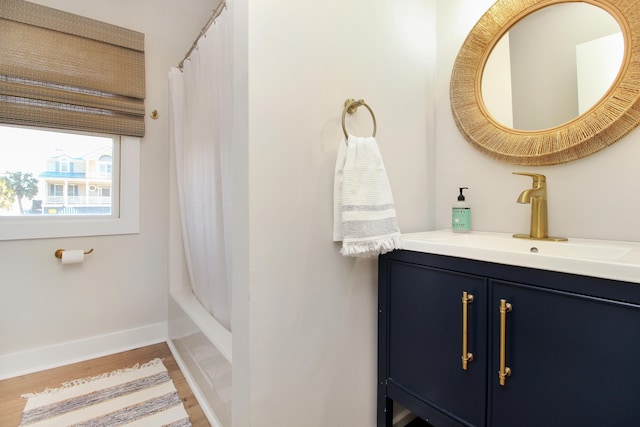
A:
(552, 66)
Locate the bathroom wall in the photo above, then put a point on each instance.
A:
(304, 316)
(309, 326)
(594, 197)
(118, 297)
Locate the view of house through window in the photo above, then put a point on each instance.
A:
(47, 172)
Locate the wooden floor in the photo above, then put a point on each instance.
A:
(11, 404)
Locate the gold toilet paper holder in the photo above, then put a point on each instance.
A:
(58, 253)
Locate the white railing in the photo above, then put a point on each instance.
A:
(77, 200)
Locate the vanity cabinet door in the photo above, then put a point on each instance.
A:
(425, 336)
(574, 359)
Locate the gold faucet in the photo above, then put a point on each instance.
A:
(537, 196)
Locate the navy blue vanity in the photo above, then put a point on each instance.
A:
(467, 342)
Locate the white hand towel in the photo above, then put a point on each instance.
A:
(364, 217)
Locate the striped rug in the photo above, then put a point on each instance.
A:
(138, 396)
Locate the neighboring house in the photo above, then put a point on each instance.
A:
(76, 185)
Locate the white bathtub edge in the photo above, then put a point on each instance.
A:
(193, 385)
(214, 331)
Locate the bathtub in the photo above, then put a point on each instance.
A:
(202, 349)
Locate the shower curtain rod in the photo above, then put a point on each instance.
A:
(216, 12)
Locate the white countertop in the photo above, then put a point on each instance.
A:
(617, 260)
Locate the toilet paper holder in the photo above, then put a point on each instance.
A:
(58, 253)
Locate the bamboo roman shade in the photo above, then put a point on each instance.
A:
(60, 70)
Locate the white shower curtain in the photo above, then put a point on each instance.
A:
(201, 119)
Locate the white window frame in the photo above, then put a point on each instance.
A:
(127, 222)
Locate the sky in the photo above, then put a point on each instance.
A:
(26, 150)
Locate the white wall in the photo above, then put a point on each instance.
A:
(304, 316)
(543, 61)
(594, 197)
(122, 285)
(312, 328)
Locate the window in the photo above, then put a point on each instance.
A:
(73, 74)
(64, 166)
(104, 165)
(105, 191)
(72, 190)
(55, 183)
(55, 190)
(67, 164)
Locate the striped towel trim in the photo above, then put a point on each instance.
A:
(364, 215)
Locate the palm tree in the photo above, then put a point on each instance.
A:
(22, 185)
(6, 194)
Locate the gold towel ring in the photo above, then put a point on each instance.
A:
(350, 106)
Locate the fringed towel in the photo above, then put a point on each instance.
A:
(364, 218)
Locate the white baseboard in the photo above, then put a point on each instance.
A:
(39, 359)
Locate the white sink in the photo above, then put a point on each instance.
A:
(599, 258)
(590, 249)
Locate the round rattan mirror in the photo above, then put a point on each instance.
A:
(608, 120)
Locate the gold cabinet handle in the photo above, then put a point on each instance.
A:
(505, 371)
(466, 356)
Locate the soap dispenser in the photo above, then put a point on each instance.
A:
(461, 214)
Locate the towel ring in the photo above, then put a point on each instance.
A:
(350, 106)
